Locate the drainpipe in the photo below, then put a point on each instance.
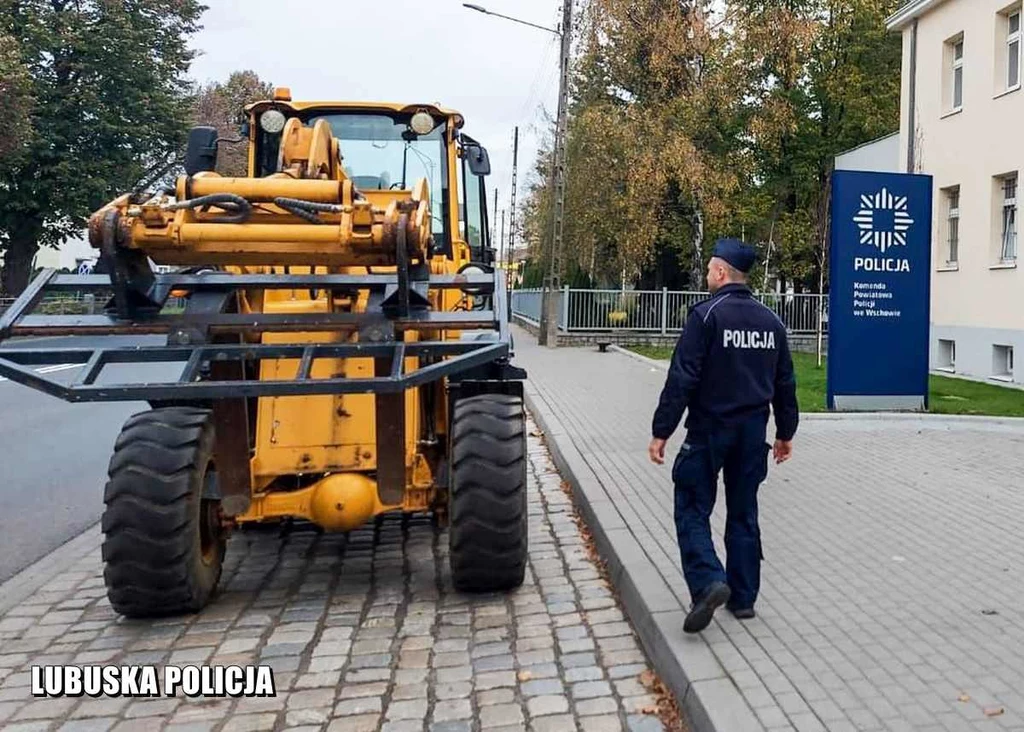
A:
(912, 123)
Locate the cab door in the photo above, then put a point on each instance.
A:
(475, 167)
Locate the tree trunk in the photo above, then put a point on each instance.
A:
(697, 261)
(21, 250)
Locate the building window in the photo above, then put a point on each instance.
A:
(957, 75)
(952, 224)
(947, 355)
(1002, 362)
(1013, 49)
(1008, 240)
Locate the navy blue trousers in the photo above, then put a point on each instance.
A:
(741, 454)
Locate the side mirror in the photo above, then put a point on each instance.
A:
(479, 161)
(201, 154)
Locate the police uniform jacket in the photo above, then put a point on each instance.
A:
(732, 363)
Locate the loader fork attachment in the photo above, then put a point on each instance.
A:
(207, 333)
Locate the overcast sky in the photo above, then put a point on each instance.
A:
(499, 74)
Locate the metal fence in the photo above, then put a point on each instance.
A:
(63, 304)
(81, 304)
(656, 311)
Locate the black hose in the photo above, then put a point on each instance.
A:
(302, 213)
(239, 208)
(307, 210)
(308, 205)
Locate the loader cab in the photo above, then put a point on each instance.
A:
(387, 148)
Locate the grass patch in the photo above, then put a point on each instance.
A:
(947, 395)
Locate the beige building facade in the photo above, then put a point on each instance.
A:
(962, 122)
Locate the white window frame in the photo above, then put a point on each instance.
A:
(1008, 229)
(957, 68)
(947, 345)
(1013, 38)
(1002, 357)
(952, 217)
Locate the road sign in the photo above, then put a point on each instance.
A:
(880, 289)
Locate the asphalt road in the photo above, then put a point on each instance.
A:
(53, 463)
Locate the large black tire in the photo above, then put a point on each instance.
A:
(164, 545)
(488, 531)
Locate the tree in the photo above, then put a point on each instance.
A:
(650, 141)
(823, 76)
(15, 90)
(221, 106)
(687, 125)
(111, 108)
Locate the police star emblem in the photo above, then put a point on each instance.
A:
(883, 220)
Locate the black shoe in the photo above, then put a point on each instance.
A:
(702, 611)
(742, 613)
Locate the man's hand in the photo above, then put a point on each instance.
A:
(657, 451)
(783, 451)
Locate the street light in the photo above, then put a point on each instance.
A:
(485, 11)
(549, 292)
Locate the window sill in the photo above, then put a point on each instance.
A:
(946, 369)
(948, 268)
(1005, 378)
(1009, 91)
(952, 113)
(1003, 265)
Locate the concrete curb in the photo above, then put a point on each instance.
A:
(1015, 422)
(686, 664)
(661, 365)
(30, 579)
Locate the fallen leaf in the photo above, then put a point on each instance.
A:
(995, 712)
(648, 710)
(963, 698)
(536, 433)
(525, 675)
(647, 678)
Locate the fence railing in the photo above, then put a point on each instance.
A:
(80, 304)
(657, 311)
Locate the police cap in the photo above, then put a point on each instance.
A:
(739, 255)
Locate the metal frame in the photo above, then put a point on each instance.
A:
(458, 356)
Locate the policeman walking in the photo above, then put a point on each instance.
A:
(731, 363)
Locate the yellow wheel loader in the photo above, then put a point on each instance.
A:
(343, 349)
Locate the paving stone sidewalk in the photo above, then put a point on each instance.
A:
(892, 595)
(364, 634)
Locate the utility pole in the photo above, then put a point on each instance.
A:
(494, 221)
(510, 253)
(552, 280)
(502, 228)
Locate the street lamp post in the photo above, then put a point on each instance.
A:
(548, 335)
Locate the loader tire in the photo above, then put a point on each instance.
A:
(488, 530)
(164, 546)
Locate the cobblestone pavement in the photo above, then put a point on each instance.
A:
(891, 592)
(364, 633)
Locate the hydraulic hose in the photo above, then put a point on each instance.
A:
(306, 210)
(238, 208)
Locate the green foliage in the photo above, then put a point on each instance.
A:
(688, 125)
(16, 93)
(110, 110)
(221, 105)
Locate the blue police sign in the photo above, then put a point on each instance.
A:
(880, 286)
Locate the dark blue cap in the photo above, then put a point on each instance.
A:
(739, 255)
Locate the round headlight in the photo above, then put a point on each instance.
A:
(421, 123)
(272, 121)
